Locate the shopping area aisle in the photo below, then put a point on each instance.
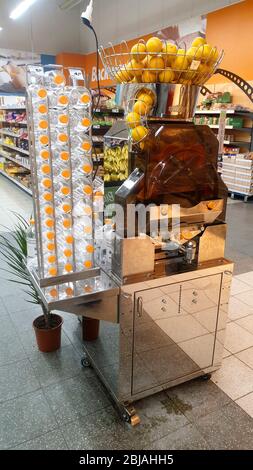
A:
(12, 199)
(48, 401)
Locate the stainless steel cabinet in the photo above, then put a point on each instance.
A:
(174, 331)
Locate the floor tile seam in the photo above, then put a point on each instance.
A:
(37, 436)
(79, 416)
(241, 360)
(53, 383)
(21, 396)
(243, 396)
(245, 292)
(238, 352)
(191, 423)
(240, 318)
(244, 327)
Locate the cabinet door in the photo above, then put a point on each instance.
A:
(174, 331)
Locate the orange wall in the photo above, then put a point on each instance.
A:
(231, 29)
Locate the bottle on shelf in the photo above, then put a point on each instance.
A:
(31, 241)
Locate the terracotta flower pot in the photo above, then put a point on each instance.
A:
(48, 339)
(90, 329)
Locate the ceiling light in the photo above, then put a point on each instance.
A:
(69, 4)
(21, 8)
(1, 29)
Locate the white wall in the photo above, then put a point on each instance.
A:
(54, 30)
(115, 20)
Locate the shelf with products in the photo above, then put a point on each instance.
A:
(22, 162)
(109, 160)
(12, 133)
(13, 147)
(14, 141)
(20, 177)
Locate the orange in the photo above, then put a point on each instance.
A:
(87, 190)
(68, 267)
(199, 41)
(46, 169)
(63, 100)
(67, 223)
(51, 246)
(86, 146)
(50, 236)
(88, 210)
(69, 239)
(42, 93)
(148, 77)
(45, 154)
(44, 139)
(64, 156)
(87, 230)
(69, 291)
(141, 108)
(48, 197)
(167, 76)
(156, 63)
(65, 190)
(59, 80)
(139, 133)
(88, 289)
(63, 138)
(87, 168)
(139, 51)
(88, 264)
(154, 45)
(51, 259)
(86, 122)
(47, 183)
(66, 208)
(67, 253)
(52, 271)
(134, 68)
(49, 210)
(53, 292)
(42, 109)
(90, 249)
(63, 119)
(66, 174)
(43, 124)
(133, 119)
(85, 99)
(49, 223)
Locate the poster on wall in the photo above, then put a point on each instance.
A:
(13, 69)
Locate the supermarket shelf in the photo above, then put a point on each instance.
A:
(6, 155)
(11, 134)
(11, 108)
(21, 123)
(25, 152)
(113, 111)
(228, 111)
(241, 129)
(16, 182)
(237, 143)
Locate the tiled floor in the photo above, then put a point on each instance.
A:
(48, 401)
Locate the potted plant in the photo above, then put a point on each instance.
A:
(13, 250)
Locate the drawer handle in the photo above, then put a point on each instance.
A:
(139, 307)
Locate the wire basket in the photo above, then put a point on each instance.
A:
(187, 67)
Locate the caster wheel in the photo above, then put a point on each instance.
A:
(85, 362)
(135, 420)
(206, 377)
